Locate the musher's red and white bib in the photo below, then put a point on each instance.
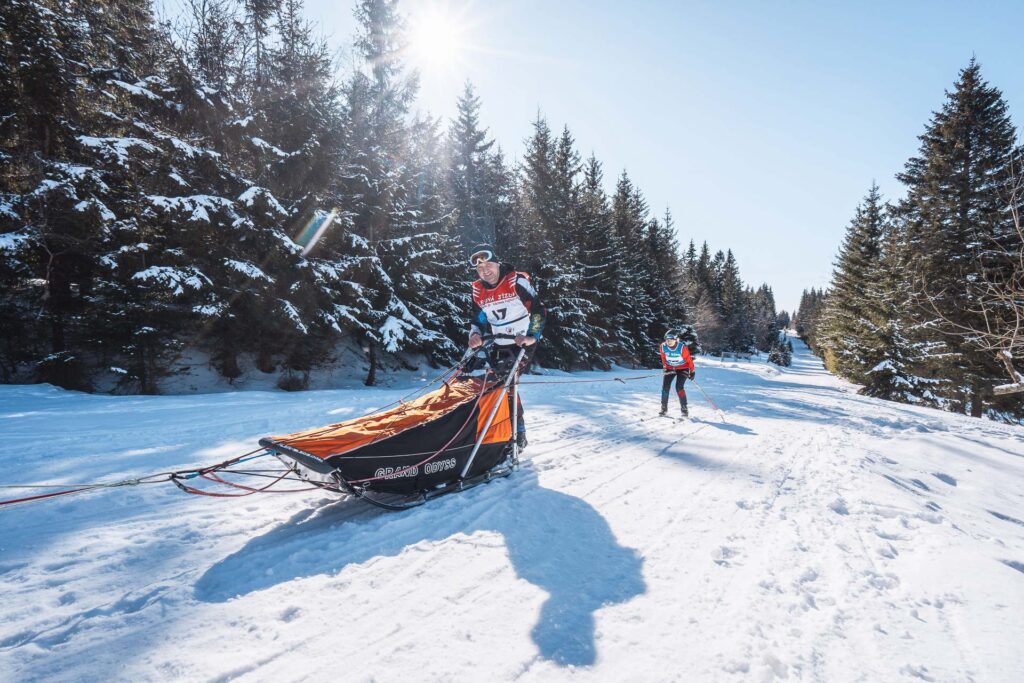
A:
(504, 308)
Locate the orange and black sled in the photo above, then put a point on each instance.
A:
(450, 439)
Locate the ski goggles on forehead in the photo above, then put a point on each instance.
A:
(481, 257)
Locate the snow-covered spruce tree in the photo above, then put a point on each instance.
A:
(667, 277)
(850, 339)
(47, 252)
(502, 190)
(95, 164)
(427, 262)
(958, 226)
(775, 353)
(781, 353)
(807, 317)
(734, 307)
(217, 242)
(630, 215)
(547, 213)
(270, 116)
(783, 321)
(578, 341)
(470, 166)
(763, 318)
(382, 186)
(300, 126)
(259, 15)
(705, 304)
(534, 207)
(886, 311)
(601, 264)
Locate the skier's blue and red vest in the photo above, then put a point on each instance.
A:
(676, 359)
(509, 307)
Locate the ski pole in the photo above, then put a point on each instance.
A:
(722, 412)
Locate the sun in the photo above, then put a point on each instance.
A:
(437, 38)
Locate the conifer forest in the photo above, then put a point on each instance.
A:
(229, 189)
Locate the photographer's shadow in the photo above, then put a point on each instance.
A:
(555, 541)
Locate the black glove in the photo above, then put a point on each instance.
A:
(693, 373)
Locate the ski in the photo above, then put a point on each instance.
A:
(673, 418)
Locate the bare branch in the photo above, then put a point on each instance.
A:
(999, 298)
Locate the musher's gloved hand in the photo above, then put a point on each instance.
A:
(693, 374)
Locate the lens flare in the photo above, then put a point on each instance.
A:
(314, 229)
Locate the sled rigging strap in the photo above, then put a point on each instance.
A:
(588, 381)
(625, 379)
(179, 477)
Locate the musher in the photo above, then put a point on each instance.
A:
(678, 364)
(505, 303)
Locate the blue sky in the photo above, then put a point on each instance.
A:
(761, 124)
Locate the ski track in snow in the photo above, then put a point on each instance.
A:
(813, 534)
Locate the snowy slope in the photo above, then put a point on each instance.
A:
(813, 535)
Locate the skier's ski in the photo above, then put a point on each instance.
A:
(673, 418)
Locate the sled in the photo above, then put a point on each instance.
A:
(453, 438)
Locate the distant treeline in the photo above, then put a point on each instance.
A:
(223, 187)
(927, 296)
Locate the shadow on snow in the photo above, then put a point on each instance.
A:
(557, 542)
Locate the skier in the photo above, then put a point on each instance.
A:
(505, 303)
(675, 358)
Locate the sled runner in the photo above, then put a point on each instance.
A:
(457, 436)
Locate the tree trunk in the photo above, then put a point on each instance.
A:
(265, 360)
(977, 404)
(57, 331)
(229, 364)
(144, 376)
(371, 375)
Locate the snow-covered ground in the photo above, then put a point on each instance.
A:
(813, 534)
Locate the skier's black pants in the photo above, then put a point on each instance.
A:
(501, 357)
(680, 376)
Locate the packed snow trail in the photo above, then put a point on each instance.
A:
(813, 535)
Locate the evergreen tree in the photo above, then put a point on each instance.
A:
(958, 222)
(600, 264)
(667, 278)
(383, 190)
(764, 320)
(469, 175)
(734, 307)
(783, 321)
(850, 338)
(886, 314)
(548, 218)
(812, 303)
(630, 215)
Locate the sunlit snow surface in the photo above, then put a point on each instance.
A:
(813, 535)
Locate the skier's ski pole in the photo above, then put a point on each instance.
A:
(720, 411)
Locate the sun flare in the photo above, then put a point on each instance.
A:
(437, 38)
